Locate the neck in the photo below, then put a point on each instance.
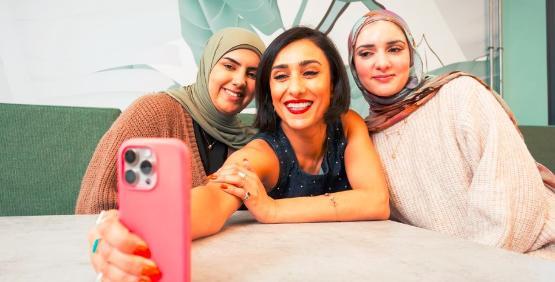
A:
(309, 146)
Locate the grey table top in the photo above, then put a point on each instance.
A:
(54, 248)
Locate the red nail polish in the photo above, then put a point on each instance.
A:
(142, 251)
(223, 186)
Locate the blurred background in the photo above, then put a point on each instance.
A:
(108, 53)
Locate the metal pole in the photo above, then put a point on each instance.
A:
(500, 43)
(490, 44)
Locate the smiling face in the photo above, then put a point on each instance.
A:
(300, 85)
(232, 79)
(382, 58)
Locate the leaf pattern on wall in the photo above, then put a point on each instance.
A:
(337, 7)
(199, 19)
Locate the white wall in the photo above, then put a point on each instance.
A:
(53, 51)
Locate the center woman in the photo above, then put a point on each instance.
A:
(313, 160)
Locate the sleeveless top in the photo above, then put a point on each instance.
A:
(293, 181)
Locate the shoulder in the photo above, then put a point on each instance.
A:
(155, 102)
(464, 87)
(154, 107)
(352, 122)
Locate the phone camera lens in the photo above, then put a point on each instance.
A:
(146, 167)
(130, 156)
(130, 176)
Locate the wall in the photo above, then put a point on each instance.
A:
(525, 60)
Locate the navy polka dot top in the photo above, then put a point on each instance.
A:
(293, 181)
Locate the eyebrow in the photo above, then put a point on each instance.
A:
(389, 43)
(232, 60)
(302, 63)
(239, 64)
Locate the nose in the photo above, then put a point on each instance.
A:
(239, 79)
(381, 61)
(296, 85)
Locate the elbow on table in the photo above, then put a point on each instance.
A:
(379, 209)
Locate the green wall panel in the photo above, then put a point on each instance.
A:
(525, 60)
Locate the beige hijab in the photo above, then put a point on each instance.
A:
(195, 98)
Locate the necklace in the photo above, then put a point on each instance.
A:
(210, 145)
(399, 134)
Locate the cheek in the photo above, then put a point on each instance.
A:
(213, 84)
(363, 69)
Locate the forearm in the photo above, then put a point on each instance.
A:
(210, 208)
(352, 205)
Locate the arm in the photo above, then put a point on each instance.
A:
(506, 204)
(369, 199)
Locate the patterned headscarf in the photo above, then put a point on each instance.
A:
(195, 98)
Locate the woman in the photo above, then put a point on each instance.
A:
(314, 157)
(202, 114)
(454, 158)
(328, 168)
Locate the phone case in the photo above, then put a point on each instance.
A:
(156, 206)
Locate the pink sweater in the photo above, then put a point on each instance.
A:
(458, 166)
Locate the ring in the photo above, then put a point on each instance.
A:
(101, 218)
(95, 245)
(242, 175)
(247, 196)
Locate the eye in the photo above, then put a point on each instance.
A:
(280, 76)
(229, 67)
(311, 73)
(251, 74)
(395, 49)
(364, 53)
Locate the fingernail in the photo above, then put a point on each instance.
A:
(142, 250)
(223, 186)
(144, 279)
(150, 270)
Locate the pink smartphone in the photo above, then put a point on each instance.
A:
(154, 183)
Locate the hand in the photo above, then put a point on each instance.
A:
(120, 255)
(240, 181)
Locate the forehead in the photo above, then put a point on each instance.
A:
(298, 51)
(380, 32)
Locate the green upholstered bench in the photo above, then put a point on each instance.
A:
(541, 143)
(44, 153)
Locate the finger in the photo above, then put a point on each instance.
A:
(113, 232)
(112, 273)
(131, 264)
(235, 191)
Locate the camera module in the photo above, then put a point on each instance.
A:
(146, 167)
(130, 176)
(130, 156)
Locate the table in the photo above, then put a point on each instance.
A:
(54, 248)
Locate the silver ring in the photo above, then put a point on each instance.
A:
(99, 277)
(242, 175)
(247, 196)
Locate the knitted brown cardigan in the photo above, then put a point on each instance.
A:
(155, 115)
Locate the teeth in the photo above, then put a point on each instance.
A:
(299, 105)
(231, 93)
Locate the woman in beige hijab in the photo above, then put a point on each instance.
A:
(203, 115)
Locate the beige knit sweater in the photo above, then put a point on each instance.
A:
(458, 166)
(156, 115)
